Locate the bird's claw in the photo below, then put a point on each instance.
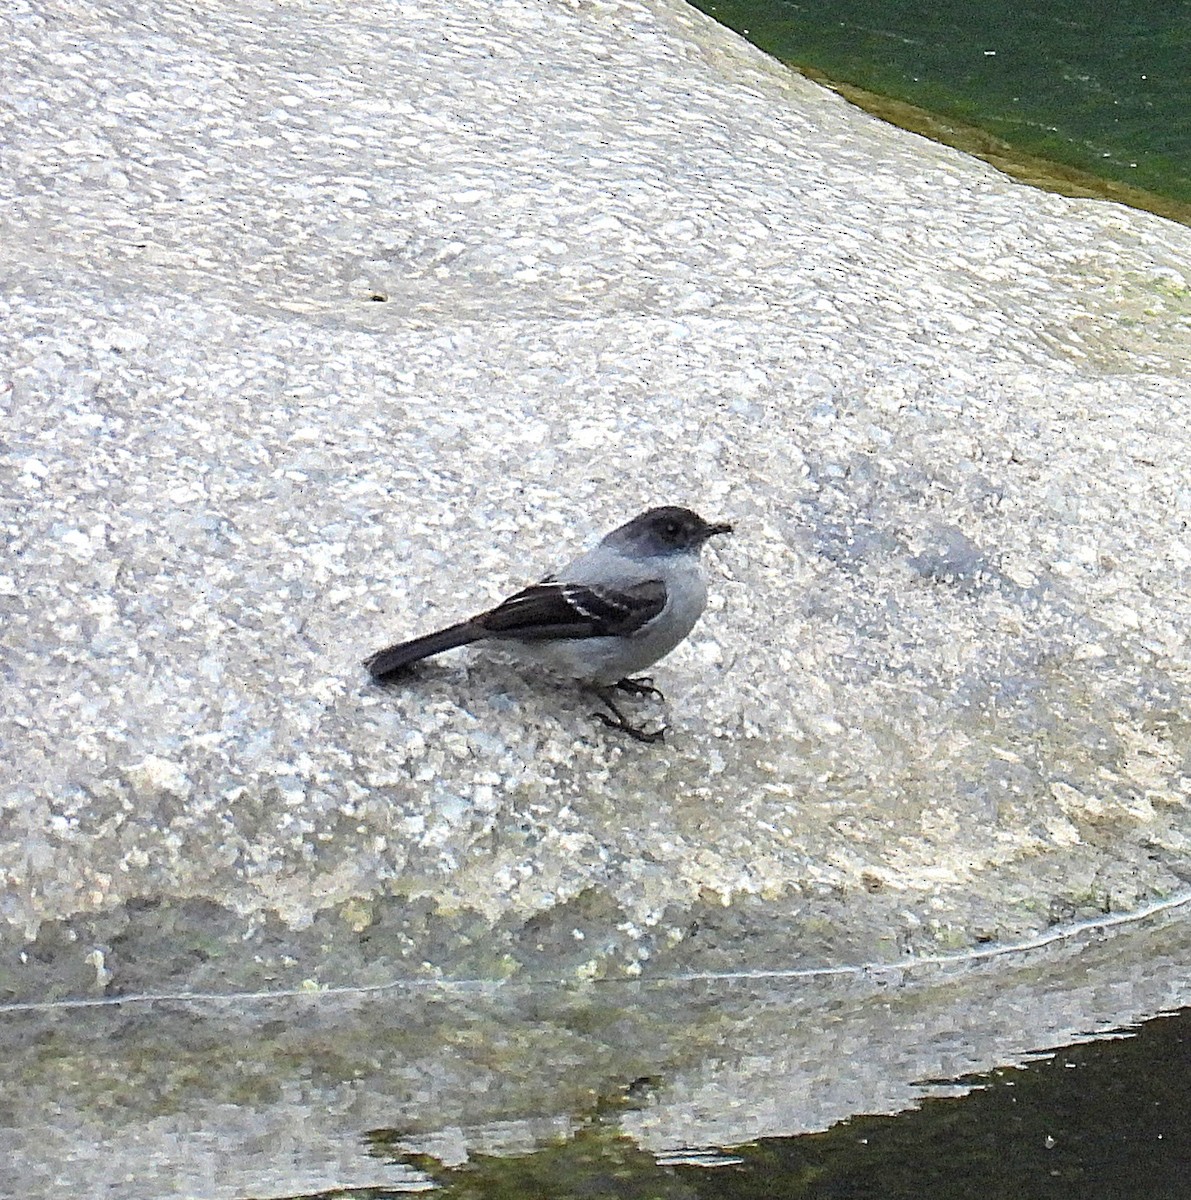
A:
(642, 686)
(617, 719)
(649, 736)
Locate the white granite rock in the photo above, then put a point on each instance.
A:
(321, 326)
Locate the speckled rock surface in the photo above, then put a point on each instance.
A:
(321, 325)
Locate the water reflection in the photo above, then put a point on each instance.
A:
(1102, 1118)
(609, 1089)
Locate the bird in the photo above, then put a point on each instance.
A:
(607, 615)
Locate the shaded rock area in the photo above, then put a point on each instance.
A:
(322, 329)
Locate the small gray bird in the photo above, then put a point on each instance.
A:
(612, 612)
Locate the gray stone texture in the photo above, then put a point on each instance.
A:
(323, 325)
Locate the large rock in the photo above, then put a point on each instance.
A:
(325, 325)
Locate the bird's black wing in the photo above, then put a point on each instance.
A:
(574, 610)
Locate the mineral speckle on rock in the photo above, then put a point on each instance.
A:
(942, 689)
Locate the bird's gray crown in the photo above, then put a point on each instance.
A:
(666, 530)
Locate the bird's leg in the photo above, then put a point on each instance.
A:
(617, 719)
(642, 686)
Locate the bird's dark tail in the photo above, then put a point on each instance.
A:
(390, 662)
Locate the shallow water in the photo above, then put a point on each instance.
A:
(1100, 87)
(1104, 1118)
(721, 1087)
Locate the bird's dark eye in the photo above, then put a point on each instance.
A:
(672, 529)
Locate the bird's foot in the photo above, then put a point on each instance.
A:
(642, 686)
(618, 721)
(636, 732)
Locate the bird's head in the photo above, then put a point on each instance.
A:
(663, 531)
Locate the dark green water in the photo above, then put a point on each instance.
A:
(1100, 85)
(1105, 1120)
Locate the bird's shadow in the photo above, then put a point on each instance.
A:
(509, 687)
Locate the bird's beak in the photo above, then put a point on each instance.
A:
(712, 530)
